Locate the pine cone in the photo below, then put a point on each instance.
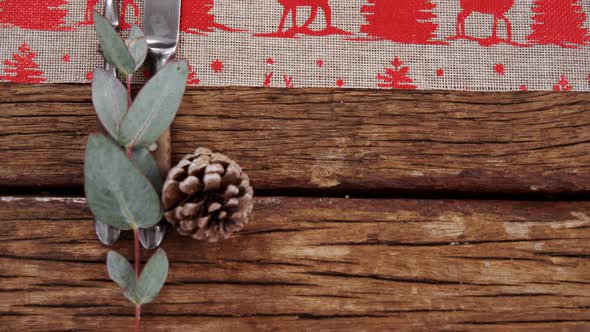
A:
(207, 196)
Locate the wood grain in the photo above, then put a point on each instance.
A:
(417, 265)
(333, 140)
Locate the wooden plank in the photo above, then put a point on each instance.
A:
(311, 264)
(342, 140)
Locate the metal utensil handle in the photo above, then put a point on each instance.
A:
(151, 238)
(159, 60)
(111, 13)
(106, 233)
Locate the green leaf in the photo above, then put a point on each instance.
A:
(137, 46)
(113, 48)
(152, 277)
(121, 272)
(144, 160)
(110, 100)
(155, 107)
(116, 190)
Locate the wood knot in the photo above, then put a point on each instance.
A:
(324, 176)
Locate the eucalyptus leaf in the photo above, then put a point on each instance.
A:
(110, 100)
(137, 45)
(116, 190)
(155, 107)
(144, 160)
(152, 277)
(113, 48)
(121, 272)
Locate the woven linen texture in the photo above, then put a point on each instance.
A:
(483, 45)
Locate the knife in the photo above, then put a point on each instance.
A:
(161, 23)
(106, 233)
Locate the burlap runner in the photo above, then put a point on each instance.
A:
(406, 44)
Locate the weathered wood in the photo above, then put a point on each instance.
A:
(311, 264)
(345, 140)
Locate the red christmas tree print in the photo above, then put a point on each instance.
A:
(192, 77)
(124, 25)
(498, 9)
(396, 77)
(563, 85)
(559, 22)
(291, 8)
(34, 14)
(197, 18)
(22, 68)
(403, 21)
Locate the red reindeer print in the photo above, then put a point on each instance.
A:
(88, 14)
(197, 18)
(124, 25)
(47, 15)
(124, 8)
(402, 21)
(292, 6)
(22, 68)
(559, 22)
(497, 8)
(396, 77)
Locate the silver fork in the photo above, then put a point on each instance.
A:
(162, 29)
(106, 233)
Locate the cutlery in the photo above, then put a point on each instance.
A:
(106, 233)
(162, 28)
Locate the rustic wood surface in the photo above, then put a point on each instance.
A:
(310, 263)
(420, 265)
(321, 139)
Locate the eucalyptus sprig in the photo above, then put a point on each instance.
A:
(122, 180)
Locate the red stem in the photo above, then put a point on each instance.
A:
(136, 250)
(137, 317)
(128, 91)
(137, 266)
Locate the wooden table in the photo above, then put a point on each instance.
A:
(376, 210)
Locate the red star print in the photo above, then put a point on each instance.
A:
(500, 69)
(440, 72)
(217, 66)
(89, 75)
(270, 61)
(320, 63)
(340, 83)
(66, 58)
